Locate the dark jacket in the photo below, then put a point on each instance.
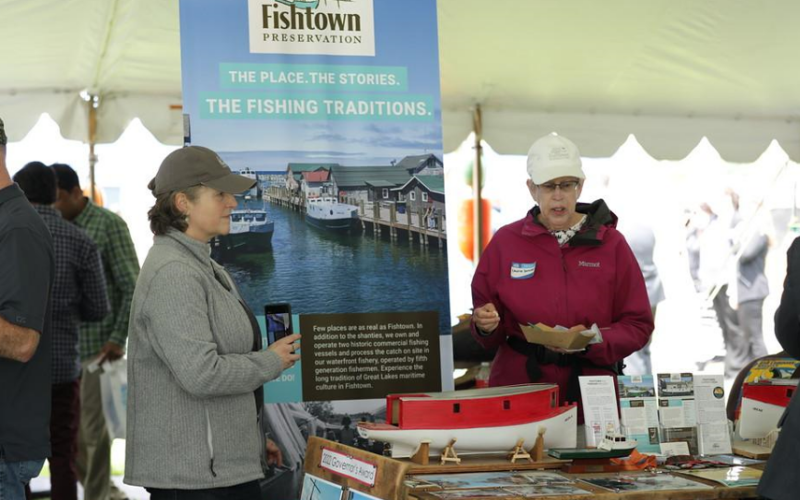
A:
(27, 268)
(780, 480)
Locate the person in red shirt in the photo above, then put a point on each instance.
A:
(563, 264)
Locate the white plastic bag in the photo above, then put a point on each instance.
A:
(114, 390)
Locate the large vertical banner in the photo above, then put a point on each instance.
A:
(333, 106)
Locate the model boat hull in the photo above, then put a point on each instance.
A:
(560, 427)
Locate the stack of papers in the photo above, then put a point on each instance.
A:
(571, 339)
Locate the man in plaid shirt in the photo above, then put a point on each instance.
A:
(78, 294)
(104, 340)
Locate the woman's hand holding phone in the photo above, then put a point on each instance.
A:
(285, 348)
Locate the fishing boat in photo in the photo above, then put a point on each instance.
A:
(482, 421)
(250, 174)
(327, 213)
(251, 229)
(250, 232)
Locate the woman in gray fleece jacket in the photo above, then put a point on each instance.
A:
(195, 363)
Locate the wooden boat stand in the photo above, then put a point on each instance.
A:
(519, 452)
(451, 462)
(449, 453)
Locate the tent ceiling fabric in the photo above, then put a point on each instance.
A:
(667, 71)
(126, 51)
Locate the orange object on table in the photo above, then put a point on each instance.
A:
(635, 461)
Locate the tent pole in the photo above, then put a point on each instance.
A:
(93, 104)
(477, 181)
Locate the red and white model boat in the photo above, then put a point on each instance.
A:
(480, 420)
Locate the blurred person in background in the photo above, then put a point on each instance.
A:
(642, 241)
(716, 221)
(78, 294)
(104, 340)
(693, 231)
(751, 244)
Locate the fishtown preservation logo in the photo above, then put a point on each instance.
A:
(328, 27)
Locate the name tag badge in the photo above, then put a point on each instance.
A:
(522, 270)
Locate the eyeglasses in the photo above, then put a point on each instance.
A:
(566, 186)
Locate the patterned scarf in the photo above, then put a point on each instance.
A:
(564, 235)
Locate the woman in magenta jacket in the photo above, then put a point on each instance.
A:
(563, 264)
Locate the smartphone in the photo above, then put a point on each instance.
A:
(279, 321)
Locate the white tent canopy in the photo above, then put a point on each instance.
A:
(668, 71)
(125, 51)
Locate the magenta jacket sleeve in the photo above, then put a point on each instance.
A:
(483, 292)
(632, 319)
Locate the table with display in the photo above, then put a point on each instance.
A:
(362, 474)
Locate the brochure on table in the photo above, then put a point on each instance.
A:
(712, 421)
(676, 401)
(639, 411)
(599, 398)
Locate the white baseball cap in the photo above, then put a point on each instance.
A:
(554, 156)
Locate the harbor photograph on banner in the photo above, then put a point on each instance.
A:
(333, 109)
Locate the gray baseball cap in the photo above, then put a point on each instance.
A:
(196, 165)
(3, 138)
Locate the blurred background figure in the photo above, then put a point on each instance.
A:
(103, 340)
(693, 231)
(642, 241)
(715, 221)
(78, 294)
(733, 251)
(751, 244)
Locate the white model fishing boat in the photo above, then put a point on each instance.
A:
(482, 421)
(617, 443)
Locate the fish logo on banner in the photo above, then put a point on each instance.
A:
(312, 27)
(522, 271)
